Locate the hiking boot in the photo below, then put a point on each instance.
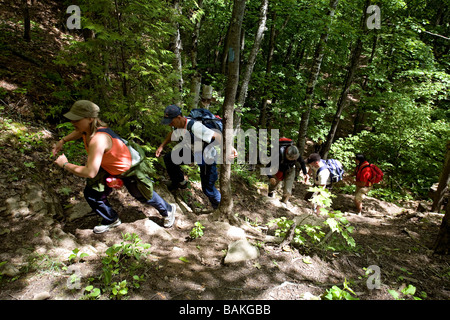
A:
(170, 219)
(103, 228)
(178, 185)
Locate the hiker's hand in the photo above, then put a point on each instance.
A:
(61, 160)
(57, 147)
(233, 154)
(306, 178)
(158, 151)
(273, 181)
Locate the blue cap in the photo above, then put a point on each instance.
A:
(171, 112)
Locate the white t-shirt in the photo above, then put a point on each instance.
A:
(324, 177)
(198, 129)
(201, 134)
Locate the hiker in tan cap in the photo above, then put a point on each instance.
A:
(111, 163)
(82, 109)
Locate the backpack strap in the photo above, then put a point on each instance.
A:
(320, 169)
(190, 124)
(361, 169)
(368, 166)
(136, 155)
(282, 155)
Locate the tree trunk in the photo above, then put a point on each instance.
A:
(444, 180)
(226, 204)
(123, 67)
(312, 80)
(196, 77)
(177, 63)
(354, 62)
(224, 56)
(26, 21)
(359, 112)
(251, 62)
(442, 244)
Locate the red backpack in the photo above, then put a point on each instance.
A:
(377, 174)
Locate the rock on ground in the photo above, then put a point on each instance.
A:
(241, 250)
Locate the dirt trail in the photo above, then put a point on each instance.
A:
(37, 243)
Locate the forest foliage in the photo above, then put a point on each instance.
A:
(134, 57)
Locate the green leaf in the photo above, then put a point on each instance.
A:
(394, 293)
(107, 276)
(409, 290)
(123, 291)
(95, 293)
(72, 256)
(83, 255)
(333, 224)
(184, 259)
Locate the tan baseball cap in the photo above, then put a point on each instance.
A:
(82, 109)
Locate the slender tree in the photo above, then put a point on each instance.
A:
(444, 180)
(196, 77)
(176, 47)
(360, 107)
(274, 33)
(123, 67)
(442, 244)
(26, 21)
(233, 49)
(251, 61)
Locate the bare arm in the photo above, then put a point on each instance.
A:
(166, 141)
(97, 147)
(74, 135)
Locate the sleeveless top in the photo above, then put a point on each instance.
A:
(118, 159)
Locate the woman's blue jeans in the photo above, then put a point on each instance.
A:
(98, 201)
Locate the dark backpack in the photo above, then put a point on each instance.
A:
(285, 142)
(377, 174)
(209, 120)
(206, 117)
(335, 168)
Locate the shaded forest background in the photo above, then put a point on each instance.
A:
(312, 69)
